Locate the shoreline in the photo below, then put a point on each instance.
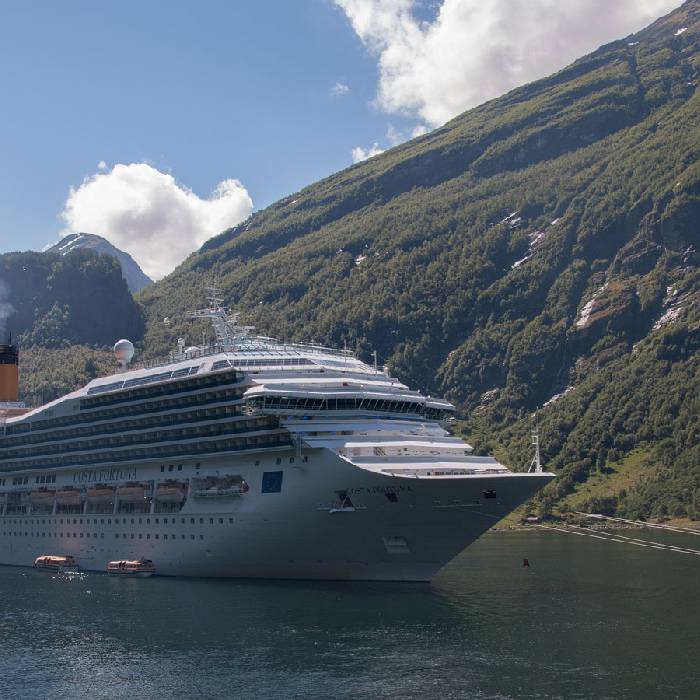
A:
(594, 526)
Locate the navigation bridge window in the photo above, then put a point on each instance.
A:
(294, 403)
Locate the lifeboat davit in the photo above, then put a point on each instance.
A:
(141, 568)
(55, 563)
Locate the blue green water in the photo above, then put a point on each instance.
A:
(588, 619)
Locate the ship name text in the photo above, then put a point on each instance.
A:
(89, 476)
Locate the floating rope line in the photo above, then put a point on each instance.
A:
(656, 526)
(622, 539)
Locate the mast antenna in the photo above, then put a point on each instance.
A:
(536, 463)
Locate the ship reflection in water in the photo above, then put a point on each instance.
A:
(586, 620)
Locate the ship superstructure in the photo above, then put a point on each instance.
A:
(252, 458)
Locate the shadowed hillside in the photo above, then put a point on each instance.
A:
(55, 306)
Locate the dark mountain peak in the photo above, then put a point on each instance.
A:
(135, 278)
(55, 300)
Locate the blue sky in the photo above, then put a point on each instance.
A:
(174, 99)
(205, 90)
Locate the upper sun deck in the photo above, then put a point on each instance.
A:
(265, 366)
(281, 366)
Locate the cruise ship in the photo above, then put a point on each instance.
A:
(251, 458)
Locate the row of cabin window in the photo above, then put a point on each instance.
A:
(260, 441)
(210, 430)
(195, 416)
(278, 461)
(194, 384)
(247, 425)
(146, 407)
(96, 535)
(117, 521)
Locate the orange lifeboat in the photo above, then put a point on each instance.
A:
(100, 494)
(170, 492)
(131, 492)
(140, 568)
(55, 563)
(42, 497)
(68, 497)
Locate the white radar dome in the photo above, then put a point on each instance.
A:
(124, 352)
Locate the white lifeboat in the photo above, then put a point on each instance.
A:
(219, 487)
(55, 563)
(140, 568)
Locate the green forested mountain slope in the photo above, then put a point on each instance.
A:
(542, 244)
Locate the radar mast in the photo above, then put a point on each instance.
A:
(230, 335)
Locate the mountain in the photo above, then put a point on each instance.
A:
(135, 277)
(56, 301)
(535, 254)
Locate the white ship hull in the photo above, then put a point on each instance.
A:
(301, 532)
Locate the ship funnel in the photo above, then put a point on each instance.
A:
(9, 374)
(124, 352)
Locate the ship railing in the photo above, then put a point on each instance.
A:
(256, 344)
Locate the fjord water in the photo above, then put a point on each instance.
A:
(587, 619)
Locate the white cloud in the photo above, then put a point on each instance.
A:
(359, 153)
(102, 165)
(396, 136)
(150, 216)
(475, 50)
(338, 89)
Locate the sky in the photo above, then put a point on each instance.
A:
(158, 125)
